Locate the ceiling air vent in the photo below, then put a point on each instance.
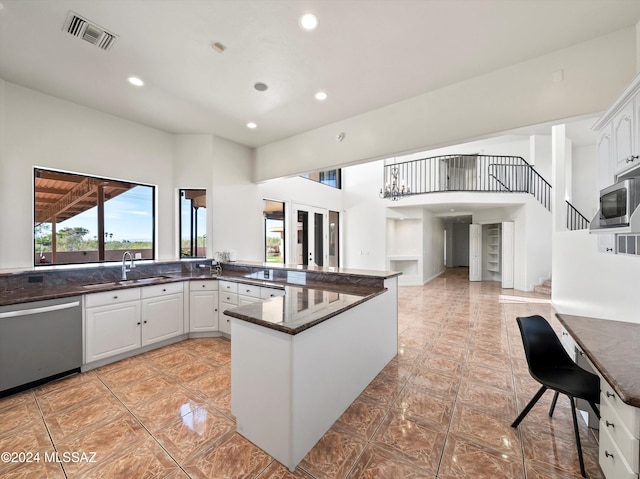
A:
(89, 32)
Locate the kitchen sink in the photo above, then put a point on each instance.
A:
(126, 282)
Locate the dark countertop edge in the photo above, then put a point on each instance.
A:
(303, 327)
(624, 396)
(364, 273)
(78, 289)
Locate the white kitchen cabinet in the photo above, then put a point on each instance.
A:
(162, 317)
(234, 294)
(124, 320)
(203, 306)
(619, 435)
(267, 293)
(227, 301)
(112, 329)
(624, 145)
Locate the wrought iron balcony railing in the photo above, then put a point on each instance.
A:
(467, 173)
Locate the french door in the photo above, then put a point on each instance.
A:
(310, 238)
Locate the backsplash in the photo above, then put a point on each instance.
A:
(98, 274)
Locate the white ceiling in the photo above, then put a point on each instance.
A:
(365, 54)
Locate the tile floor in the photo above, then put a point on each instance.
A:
(441, 409)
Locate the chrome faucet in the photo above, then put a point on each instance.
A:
(124, 264)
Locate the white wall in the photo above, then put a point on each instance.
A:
(433, 245)
(516, 96)
(365, 218)
(237, 217)
(588, 283)
(584, 192)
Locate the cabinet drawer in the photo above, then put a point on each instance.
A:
(630, 415)
(228, 298)
(266, 293)
(611, 461)
(228, 286)
(249, 290)
(161, 290)
(207, 285)
(628, 445)
(111, 297)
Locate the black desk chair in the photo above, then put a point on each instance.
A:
(551, 366)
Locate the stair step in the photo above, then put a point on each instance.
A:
(544, 288)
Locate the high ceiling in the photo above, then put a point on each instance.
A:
(365, 54)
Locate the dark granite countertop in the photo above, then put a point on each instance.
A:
(301, 307)
(38, 293)
(612, 347)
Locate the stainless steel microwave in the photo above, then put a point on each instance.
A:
(618, 202)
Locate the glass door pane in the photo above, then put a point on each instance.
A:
(311, 237)
(302, 242)
(318, 234)
(334, 239)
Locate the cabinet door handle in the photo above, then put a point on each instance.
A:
(164, 290)
(204, 286)
(608, 454)
(248, 291)
(138, 323)
(610, 424)
(632, 158)
(115, 297)
(144, 322)
(610, 395)
(216, 310)
(609, 249)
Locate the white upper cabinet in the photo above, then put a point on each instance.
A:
(624, 134)
(622, 122)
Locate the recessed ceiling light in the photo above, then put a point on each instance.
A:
(135, 81)
(321, 96)
(252, 125)
(308, 22)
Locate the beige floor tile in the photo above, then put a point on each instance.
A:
(419, 443)
(334, 455)
(198, 430)
(234, 458)
(53, 399)
(376, 462)
(465, 459)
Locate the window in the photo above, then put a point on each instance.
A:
(274, 231)
(85, 219)
(193, 223)
(331, 178)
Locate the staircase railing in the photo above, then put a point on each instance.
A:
(575, 219)
(469, 173)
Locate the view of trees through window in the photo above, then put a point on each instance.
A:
(84, 219)
(193, 223)
(273, 213)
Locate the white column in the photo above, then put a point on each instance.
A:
(558, 179)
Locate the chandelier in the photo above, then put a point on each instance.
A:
(394, 191)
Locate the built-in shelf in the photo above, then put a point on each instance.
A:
(493, 248)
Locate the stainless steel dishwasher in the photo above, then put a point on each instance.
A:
(39, 341)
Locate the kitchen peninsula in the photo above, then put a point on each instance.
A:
(299, 360)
